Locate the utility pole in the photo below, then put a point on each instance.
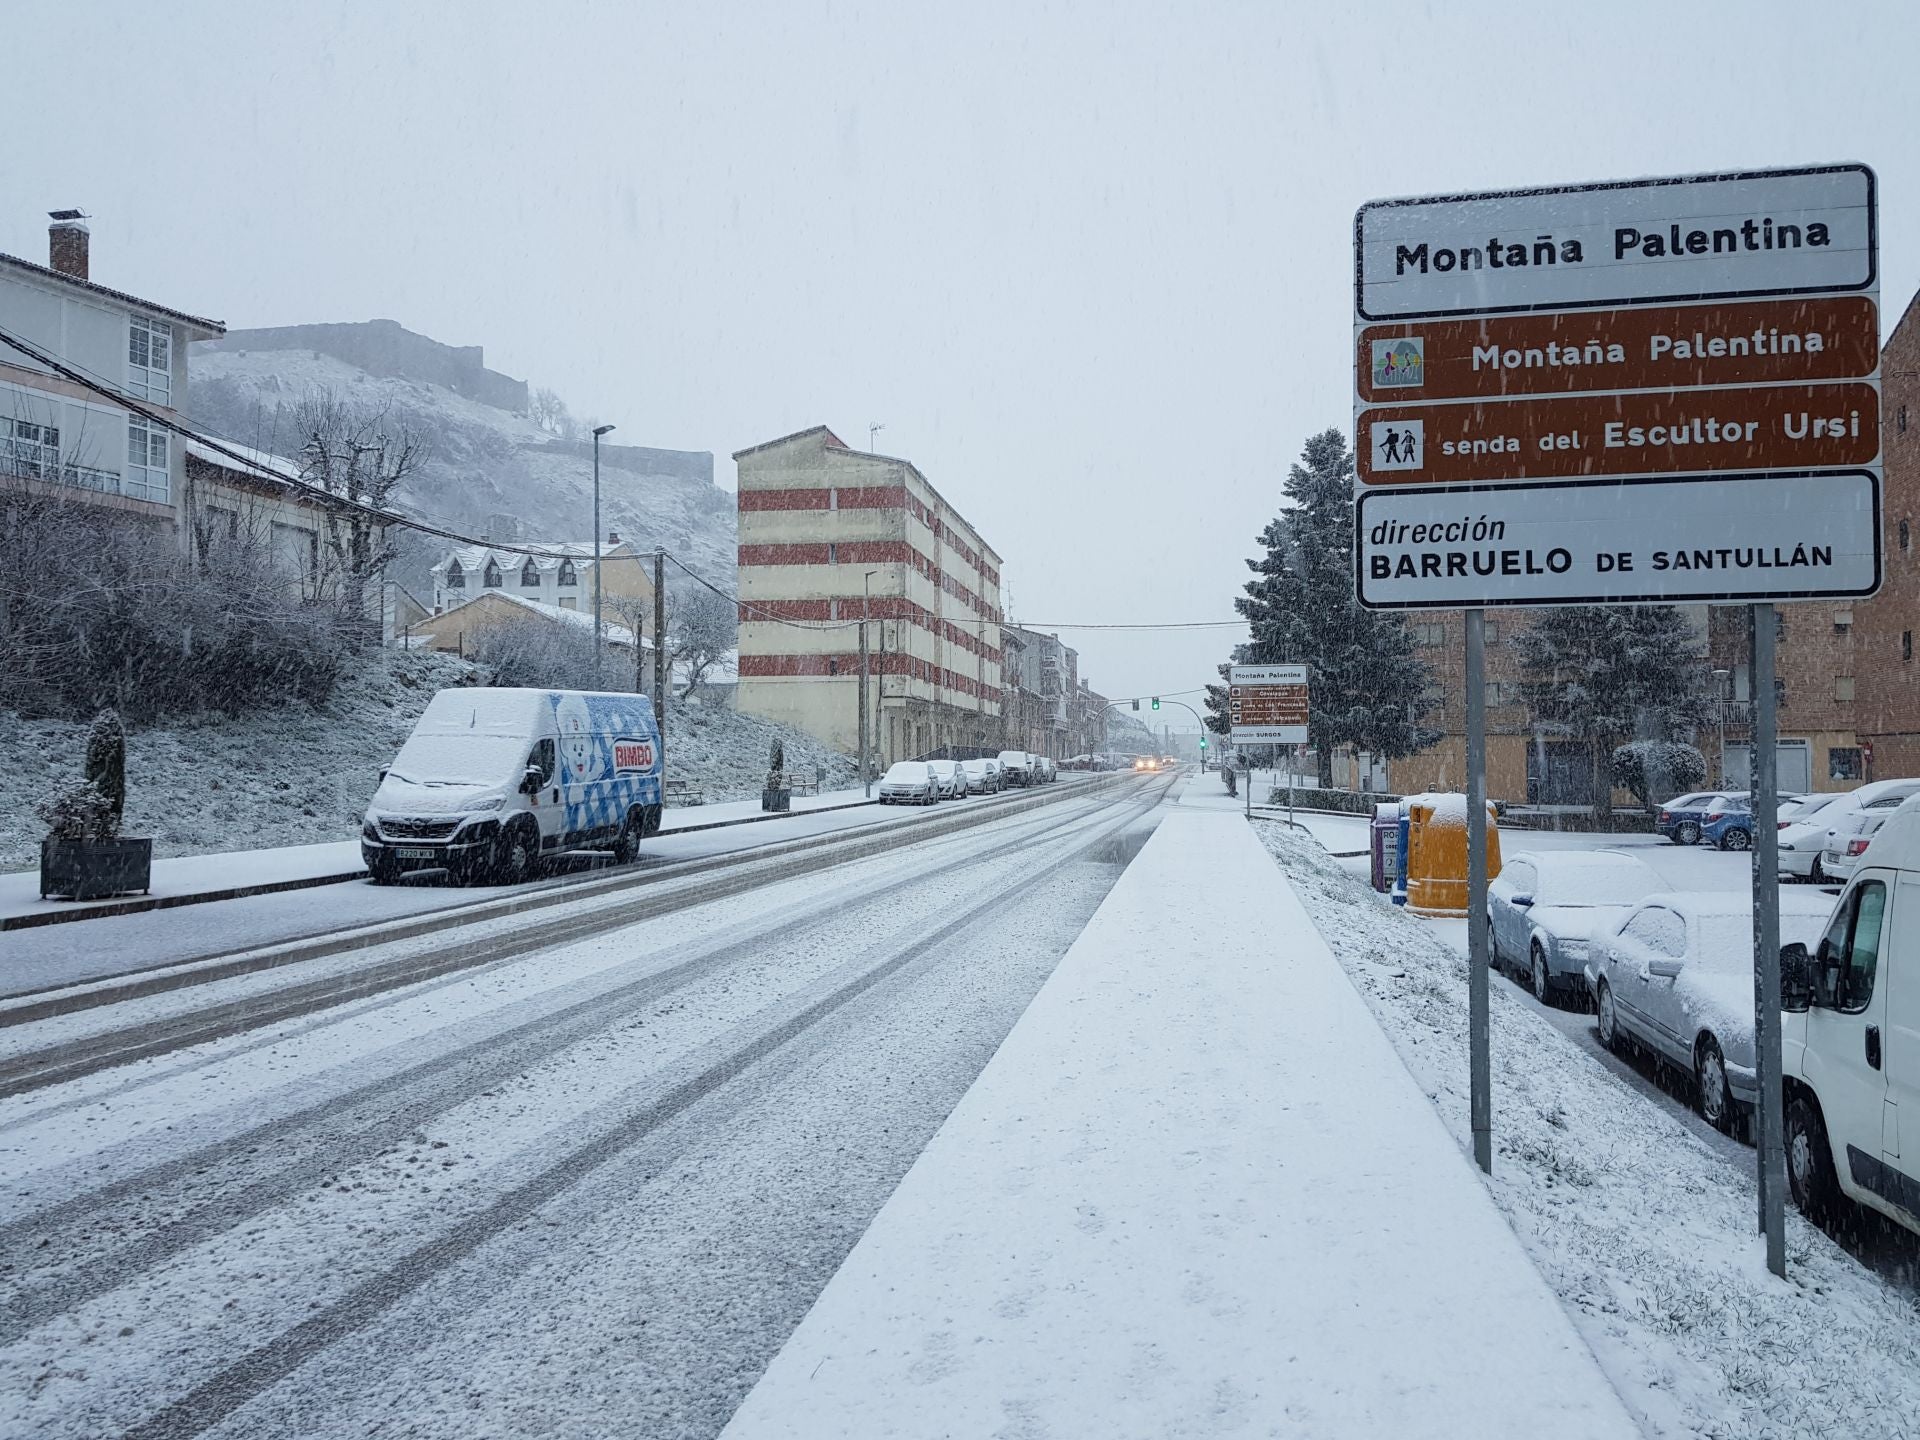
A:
(866, 754)
(1480, 1041)
(660, 649)
(880, 700)
(598, 431)
(1770, 1155)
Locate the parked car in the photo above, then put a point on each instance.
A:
(1728, 823)
(1847, 841)
(952, 776)
(1850, 1041)
(1804, 839)
(1681, 817)
(1048, 771)
(910, 782)
(983, 776)
(1546, 906)
(1016, 768)
(1676, 977)
(491, 780)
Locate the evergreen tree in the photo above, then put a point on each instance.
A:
(1367, 687)
(1606, 673)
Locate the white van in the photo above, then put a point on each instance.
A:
(1850, 1040)
(493, 779)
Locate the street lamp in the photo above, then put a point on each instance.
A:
(866, 605)
(598, 431)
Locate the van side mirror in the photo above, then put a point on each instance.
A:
(530, 781)
(383, 772)
(1796, 978)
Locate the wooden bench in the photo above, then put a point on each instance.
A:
(679, 792)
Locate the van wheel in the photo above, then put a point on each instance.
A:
(1710, 1075)
(1810, 1175)
(626, 849)
(514, 858)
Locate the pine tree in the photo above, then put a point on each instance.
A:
(1367, 688)
(1606, 673)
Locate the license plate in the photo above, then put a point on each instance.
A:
(418, 854)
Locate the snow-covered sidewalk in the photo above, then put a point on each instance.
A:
(192, 879)
(1195, 1193)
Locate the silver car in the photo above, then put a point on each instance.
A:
(1676, 977)
(983, 776)
(952, 777)
(910, 782)
(1546, 906)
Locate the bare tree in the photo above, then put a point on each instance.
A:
(363, 456)
(549, 412)
(703, 627)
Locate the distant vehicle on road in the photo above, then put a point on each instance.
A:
(493, 780)
(910, 782)
(1145, 764)
(952, 776)
(1803, 839)
(1016, 768)
(983, 775)
(1681, 818)
(1676, 977)
(1547, 906)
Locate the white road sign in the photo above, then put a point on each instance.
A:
(1267, 704)
(1632, 242)
(1779, 536)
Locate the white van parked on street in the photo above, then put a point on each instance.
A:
(491, 780)
(1850, 1059)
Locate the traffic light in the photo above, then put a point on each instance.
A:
(1136, 705)
(1203, 742)
(1156, 702)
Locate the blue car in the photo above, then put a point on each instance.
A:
(1728, 823)
(1683, 818)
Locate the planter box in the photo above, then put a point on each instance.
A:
(94, 869)
(776, 801)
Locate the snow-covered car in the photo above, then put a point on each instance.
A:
(1046, 769)
(1728, 823)
(1804, 837)
(1848, 839)
(1547, 905)
(1676, 977)
(952, 776)
(910, 782)
(1016, 768)
(983, 775)
(1679, 818)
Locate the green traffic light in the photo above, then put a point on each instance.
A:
(1156, 702)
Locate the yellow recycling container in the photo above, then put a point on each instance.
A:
(1437, 853)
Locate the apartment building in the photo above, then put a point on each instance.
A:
(834, 540)
(566, 577)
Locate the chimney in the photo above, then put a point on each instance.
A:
(67, 243)
(613, 537)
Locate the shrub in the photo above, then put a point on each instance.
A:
(79, 812)
(1658, 769)
(107, 760)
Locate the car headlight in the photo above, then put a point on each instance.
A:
(483, 807)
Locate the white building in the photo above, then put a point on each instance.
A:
(564, 577)
(59, 429)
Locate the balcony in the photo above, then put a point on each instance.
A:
(33, 461)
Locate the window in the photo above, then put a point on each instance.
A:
(296, 552)
(1906, 536)
(569, 602)
(150, 360)
(1849, 953)
(456, 577)
(833, 498)
(1906, 644)
(1780, 693)
(1428, 632)
(1842, 622)
(833, 666)
(833, 553)
(218, 523)
(1843, 687)
(1845, 762)
(529, 575)
(491, 576)
(1901, 423)
(1490, 632)
(543, 756)
(566, 576)
(1660, 930)
(147, 475)
(29, 449)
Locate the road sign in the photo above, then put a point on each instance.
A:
(1520, 346)
(1658, 348)
(1267, 704)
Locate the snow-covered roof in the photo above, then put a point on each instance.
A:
(199, 327)
(278, 466)
(579, 619)
(582, 552)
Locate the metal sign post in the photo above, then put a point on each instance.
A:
(1771, 1162)
(1479, 1025)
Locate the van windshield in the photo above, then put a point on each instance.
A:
(460, 759)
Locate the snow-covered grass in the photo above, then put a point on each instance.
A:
(1646, 1235)
(299, 776)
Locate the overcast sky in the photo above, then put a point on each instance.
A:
(1088, 263)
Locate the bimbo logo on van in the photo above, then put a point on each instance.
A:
(632, 757)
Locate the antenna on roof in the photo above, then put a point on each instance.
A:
(872, 430)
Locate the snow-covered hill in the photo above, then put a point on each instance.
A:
(487, 470)
(297, 775)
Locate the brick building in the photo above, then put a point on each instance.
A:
(1886, 703)
(822, 527)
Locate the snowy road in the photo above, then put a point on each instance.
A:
(587, 1191)
(90, 949)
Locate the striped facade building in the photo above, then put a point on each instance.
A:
(822, 526)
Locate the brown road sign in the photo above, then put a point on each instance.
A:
(1658, 348)
(1784, 427)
